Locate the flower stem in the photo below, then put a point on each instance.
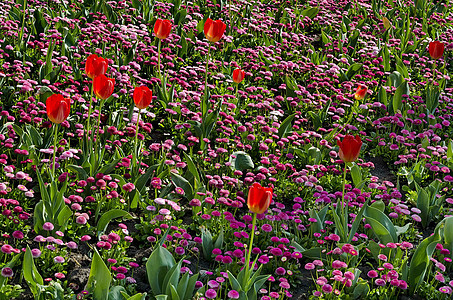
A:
(344, 217)
(158, 59)
(247, 262)
(134, 156)
(205, 86)
(99, 124)
(89, 114)
(54, 150)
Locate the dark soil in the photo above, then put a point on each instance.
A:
(381, 170)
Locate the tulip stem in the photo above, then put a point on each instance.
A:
(54, 150)
(158, 59)
(99, 125)
(134, 157)
(345, 217)
(205, 85)
(247, 262)
(89, 116)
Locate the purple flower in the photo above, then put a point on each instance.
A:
(48, 226)
(445, 289)
(59, 259)
(210, 294)
(327, 288)
(372, 274)
(379, 282)
(7, 272)
(402, 285)
(280, 271)
(233, 294)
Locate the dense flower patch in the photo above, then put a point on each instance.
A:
(226, 149)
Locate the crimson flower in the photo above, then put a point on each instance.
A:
(259, 198)
(58, 108)
(361, 92)
(213, 30)
(162, 29)
(95, 66)
(142, 96)
(103, 86)
(349, 148)
(436, 49)
(238, 75)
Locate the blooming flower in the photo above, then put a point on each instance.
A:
(238, 75)
(349, 148)
(436, 49)
(95, 66)
(103, 86)
(259, 198)
(57, 108)
(360, 92)
(162, 28)
(213, 30)
(7, 272)
(142, 96)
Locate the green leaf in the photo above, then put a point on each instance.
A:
(234, 282)
(172, 278)
(219, 241)
(116, 292)
(241, 161)
(159, 263)
(421, 259)
(82, 173)
(284, 128)
(30, 273)
(352, 70)
(361, 290)
(402, 89)
(382, 96)
(356, 175)
(381, 225)
(423, 205)
(380, 230)
(379, 205)
(107, 169)
(180, 16)
(310, 12)
(190, 287)
(109, 216)
(403, 229)
(356, 223)
(314, 253)
(207, 244)
(181, 182)
(99, 280)
(173, 292)
(448, 233)
(191, 166)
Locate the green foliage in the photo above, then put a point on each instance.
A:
(164, 276)
(100, 278)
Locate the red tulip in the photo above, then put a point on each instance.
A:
(213, 30)
(349, 148)
(238, 75)
(361, 92)
(103, 86)
(95, 66)
(162, 29)
(436, 49)
(58, 108)
(142, 96)
(259, 198)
